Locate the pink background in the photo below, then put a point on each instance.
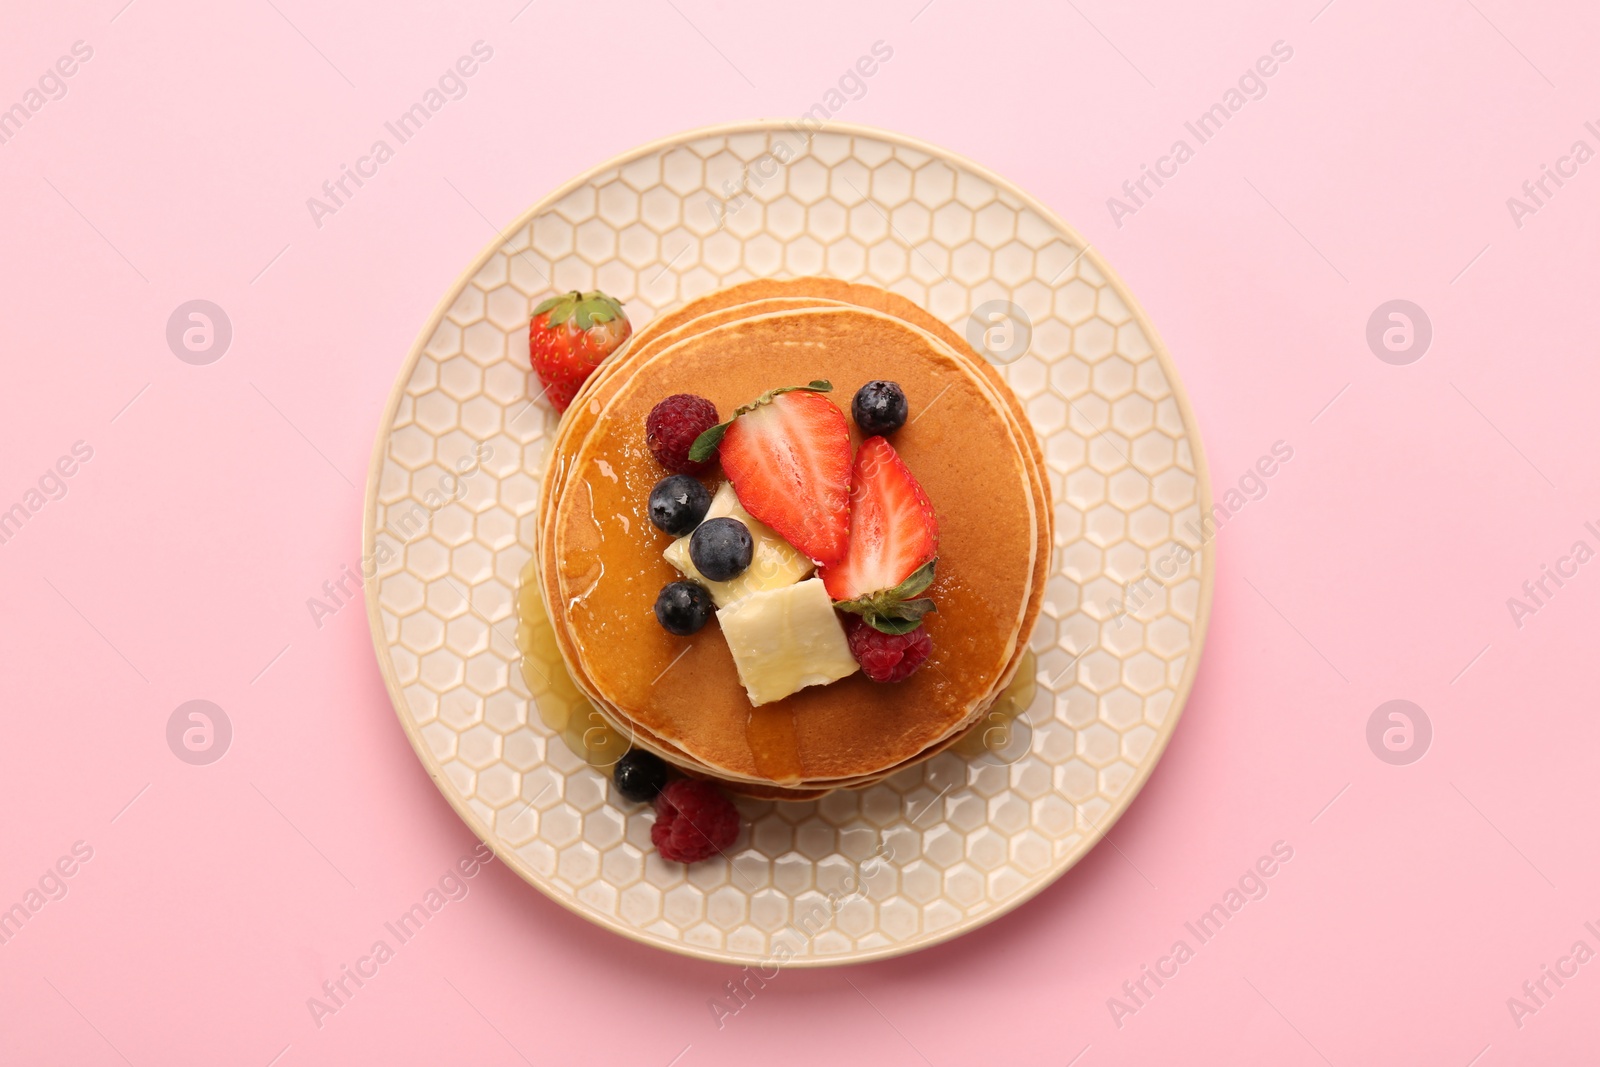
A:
(1378, 567)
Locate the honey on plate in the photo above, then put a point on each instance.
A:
(561, 706)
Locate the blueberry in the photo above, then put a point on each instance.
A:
(721, 548)
(879, 408)
(683, 607)
(678, 503)
(640, 775)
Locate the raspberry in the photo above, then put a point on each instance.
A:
(887, 657)
(694, 821)
(672, 426)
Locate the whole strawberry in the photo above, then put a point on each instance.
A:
(568, 337)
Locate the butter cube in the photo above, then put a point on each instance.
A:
(785, 639)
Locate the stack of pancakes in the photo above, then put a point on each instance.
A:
(968, 443)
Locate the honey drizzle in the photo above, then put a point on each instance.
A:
(774, 744)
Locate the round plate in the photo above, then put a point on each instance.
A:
(942, 847)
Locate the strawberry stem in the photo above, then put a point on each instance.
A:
(589, 308)
(898, 610)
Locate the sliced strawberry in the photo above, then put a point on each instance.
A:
(893, 532)
(788, 457)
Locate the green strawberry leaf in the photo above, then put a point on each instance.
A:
(898, 610)
(564, 306)
(887, 601)
(892, 626)
(913, 610)
(907, 611)
(586, 308)
(597, 308)
(915, 583)
(706, 444)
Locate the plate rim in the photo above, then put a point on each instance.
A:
(507, 855)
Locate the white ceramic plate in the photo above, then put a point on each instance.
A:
(943, 847)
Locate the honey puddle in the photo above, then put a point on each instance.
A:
(561, 705)
(997, 735)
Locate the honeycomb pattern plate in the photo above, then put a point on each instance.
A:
(942, 847)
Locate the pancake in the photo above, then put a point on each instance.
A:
(665, 329)
(760, 296)
(690, 319)
(608, 565)
(644, 738)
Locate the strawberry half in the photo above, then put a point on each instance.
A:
(788, 457)
(894, 536)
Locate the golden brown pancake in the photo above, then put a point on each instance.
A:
(674, 325)
(715, 309)
(645, 739)
(762, 296)
(685, 690)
